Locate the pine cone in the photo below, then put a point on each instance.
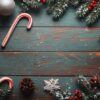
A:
(27, 86)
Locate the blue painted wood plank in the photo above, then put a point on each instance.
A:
(49, 63)
(52, 39)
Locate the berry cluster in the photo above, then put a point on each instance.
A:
(78, 95)
(90, 11)
(95, 82)
(43, 1)
(92, 5)
(90, 87)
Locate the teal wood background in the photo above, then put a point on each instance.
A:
(62, 49)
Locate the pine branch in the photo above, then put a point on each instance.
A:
(60, 8)
(83, 10)
(94, 15)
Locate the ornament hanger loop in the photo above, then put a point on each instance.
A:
(18, 18)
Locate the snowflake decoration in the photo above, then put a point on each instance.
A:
(51, 85)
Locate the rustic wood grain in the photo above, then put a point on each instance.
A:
(52, 39)
(42, 19)
(50, 63)
(61, 49)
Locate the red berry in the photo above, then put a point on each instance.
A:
(90, 8)
(43, 1)
(94, 81)
(78, 94)
(76, 98)
(70, 98)
(94, 5)
(94, 1)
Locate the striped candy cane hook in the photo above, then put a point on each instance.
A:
(19, 17)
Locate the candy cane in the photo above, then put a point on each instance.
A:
(22, 15)
(9, 80)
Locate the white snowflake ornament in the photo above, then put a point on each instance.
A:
(51, 85)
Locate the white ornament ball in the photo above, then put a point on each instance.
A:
(7, 7)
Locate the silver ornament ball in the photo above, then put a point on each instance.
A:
(7, 7)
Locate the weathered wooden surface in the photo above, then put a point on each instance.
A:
(52, 39)
(62, 49)
(50, 63)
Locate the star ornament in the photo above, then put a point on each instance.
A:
(51, 85)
